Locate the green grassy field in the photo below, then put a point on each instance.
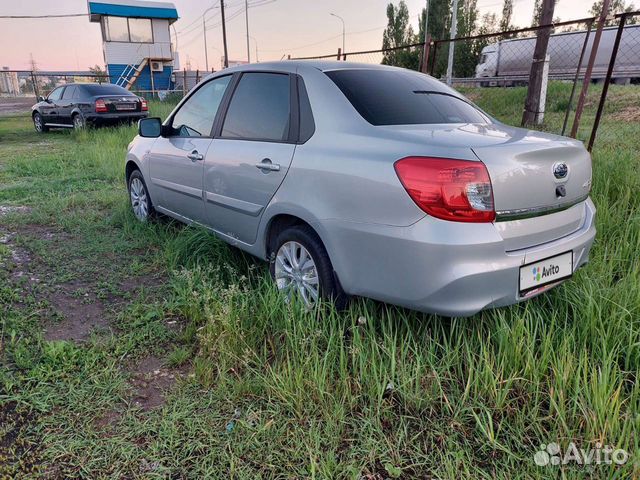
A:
(156, 351)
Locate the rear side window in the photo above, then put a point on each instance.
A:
(260, 108)
(402, 98)
(69, 93)
(195, 117)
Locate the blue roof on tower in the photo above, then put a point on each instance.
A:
(132, 8)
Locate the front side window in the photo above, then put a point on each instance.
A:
(384, 97)
(134, 30)
(260, 108)
(195, 117)
(56, 94)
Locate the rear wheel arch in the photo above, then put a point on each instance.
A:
(277, 224)
(284, 224)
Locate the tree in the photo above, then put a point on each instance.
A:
(439, 26)
(615, 7)
(466, 53)
(99, 72)
(398, 33)
(507, 14)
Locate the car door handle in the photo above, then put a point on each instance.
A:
(195, 156)
(267, 166)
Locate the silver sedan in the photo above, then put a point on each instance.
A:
(368, 180)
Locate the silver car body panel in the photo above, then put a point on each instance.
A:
(342, 182)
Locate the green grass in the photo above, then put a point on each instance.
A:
(268, 391)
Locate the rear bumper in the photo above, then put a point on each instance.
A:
(435, 266)
(98, 118)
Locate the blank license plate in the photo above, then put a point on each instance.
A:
(126, 106)
(543, 272)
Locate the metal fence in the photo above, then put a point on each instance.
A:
(31, 84)
(503, 59)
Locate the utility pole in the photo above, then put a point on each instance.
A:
(426, 19)
(342, 20)
(427, 40)
(587, 74)
(452, 44)
(224, 35)
(536, 77)
(246, 19)
(204, 33)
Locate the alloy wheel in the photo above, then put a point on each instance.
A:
(37, 123)
(296, 273)
(78, 122)
(138, 194)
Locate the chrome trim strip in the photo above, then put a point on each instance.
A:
(175, 187)
(235, 204)
(522, 213)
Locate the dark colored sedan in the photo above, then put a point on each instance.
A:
(77, 105)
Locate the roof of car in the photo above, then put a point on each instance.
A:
(323, 65)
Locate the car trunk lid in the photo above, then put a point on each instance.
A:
(536, 201)
(121, 103)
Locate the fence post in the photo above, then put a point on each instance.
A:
(534, 102)
(35, 84)
(184, 82)
(425, 54)
(607, 81)
(197, 77)
(587, 74)
(575, 79)
(339, 53)
(433, 57)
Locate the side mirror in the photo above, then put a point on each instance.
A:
(40, 98)
(150, 127)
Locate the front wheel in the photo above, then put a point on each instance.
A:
(139, 197)
(38, 123)
(301, 268)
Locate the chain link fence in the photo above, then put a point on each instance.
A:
(19, 89)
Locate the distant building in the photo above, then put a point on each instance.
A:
(136, 42)
(9, 82)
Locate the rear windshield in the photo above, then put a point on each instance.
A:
(105, 89)
(403, 98)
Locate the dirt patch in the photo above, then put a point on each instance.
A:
(81, 313)
(627, 114)
(19, 450)
(16, 104)
(150, 381)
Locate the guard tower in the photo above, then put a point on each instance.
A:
(136, 42)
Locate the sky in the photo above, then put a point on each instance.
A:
(279, 28)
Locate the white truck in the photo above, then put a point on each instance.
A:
(508, 62)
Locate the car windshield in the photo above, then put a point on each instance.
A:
(105, 89)
(387, 97)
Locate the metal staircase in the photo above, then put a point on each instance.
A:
(130, 74)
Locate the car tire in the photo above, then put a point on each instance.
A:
(38, 123)
(79, 122)
(298, 278)
(139, 198)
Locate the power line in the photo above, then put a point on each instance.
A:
(64, 15)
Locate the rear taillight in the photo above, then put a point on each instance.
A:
(101, 106)
(457, 190)
(143, 105)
